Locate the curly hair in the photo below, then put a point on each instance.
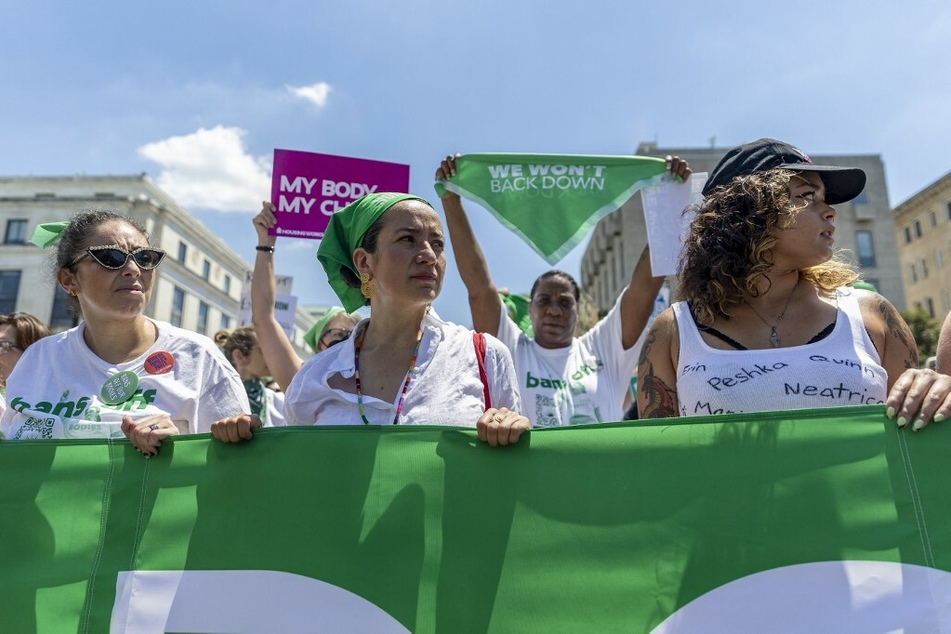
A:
(728, 252)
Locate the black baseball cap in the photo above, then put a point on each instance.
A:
(842, 183)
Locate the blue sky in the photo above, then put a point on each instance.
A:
(198, 94)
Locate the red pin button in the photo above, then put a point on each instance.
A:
(159, 362)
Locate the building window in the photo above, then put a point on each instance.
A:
(949, 211)
(866, 248)
(225, 322)
(945, 301)
(924, 268)
(227, 284)
(182, 252)
(16, 232)
(933, 218)
(930, 303)
(861, 199)
(939, 259)
(917, 228)
(914, 273)
(907, 235)
(178, 304)
(202, 318)
(63, 317)
(205, 269)
(9, 289)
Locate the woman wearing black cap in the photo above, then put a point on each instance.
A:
(769, 321)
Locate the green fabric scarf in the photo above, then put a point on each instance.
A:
(552, 201)
(345, 233)
(256, 396)
(312, 336)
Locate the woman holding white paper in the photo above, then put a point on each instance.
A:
(563, 379)
(769, 320)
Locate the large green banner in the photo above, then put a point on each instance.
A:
(818, 520)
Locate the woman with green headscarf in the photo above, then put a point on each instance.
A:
(404, 365)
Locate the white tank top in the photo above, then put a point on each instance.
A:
(841, 369)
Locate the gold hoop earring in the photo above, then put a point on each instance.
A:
(366, 287)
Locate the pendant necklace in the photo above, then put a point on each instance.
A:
(358, 344)
(774, 334)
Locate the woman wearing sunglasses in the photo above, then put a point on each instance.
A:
(18, 331)
(284, 362)
(118, 372)
(404, 365)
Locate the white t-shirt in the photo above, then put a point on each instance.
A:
(54, 390)
(841, 369)
(274, 413)
(585, 382)
(445, 388)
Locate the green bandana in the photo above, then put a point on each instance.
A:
(312, 336)
(552, 201)
(517, 306)
(46, 234)
(256, 396)
(345, 233)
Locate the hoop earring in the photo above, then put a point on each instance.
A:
(366, 287)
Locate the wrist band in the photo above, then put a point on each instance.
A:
(265, 248)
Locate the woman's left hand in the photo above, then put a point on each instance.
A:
(501, 426)
(919, 397)
(147, 433)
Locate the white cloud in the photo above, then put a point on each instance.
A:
(316, 94)
(211, 169)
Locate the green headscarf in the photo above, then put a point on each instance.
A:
(345, 233)
(47, 233)
(312, 336)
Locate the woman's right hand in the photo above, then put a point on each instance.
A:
(235, 428)
(501, 426)
(263, 221)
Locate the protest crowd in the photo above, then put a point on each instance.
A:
(767, 317)
(760, 289)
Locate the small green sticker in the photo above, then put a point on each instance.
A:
(119, 388)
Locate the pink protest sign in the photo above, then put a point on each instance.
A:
(307, 188)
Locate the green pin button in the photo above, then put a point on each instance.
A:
(119, 388)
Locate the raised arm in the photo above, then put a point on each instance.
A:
(276, 347)
(638, 297)
(484, 301)
(657, 369)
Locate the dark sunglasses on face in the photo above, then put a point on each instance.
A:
(339, 335)
(113, 257)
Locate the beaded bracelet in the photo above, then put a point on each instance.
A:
(265, 248)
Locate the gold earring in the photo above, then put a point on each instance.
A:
(366, 287)
(72, 293)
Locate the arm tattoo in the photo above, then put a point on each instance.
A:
(661, 398)
(893, 325)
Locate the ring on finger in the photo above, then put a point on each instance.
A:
(154, 426)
